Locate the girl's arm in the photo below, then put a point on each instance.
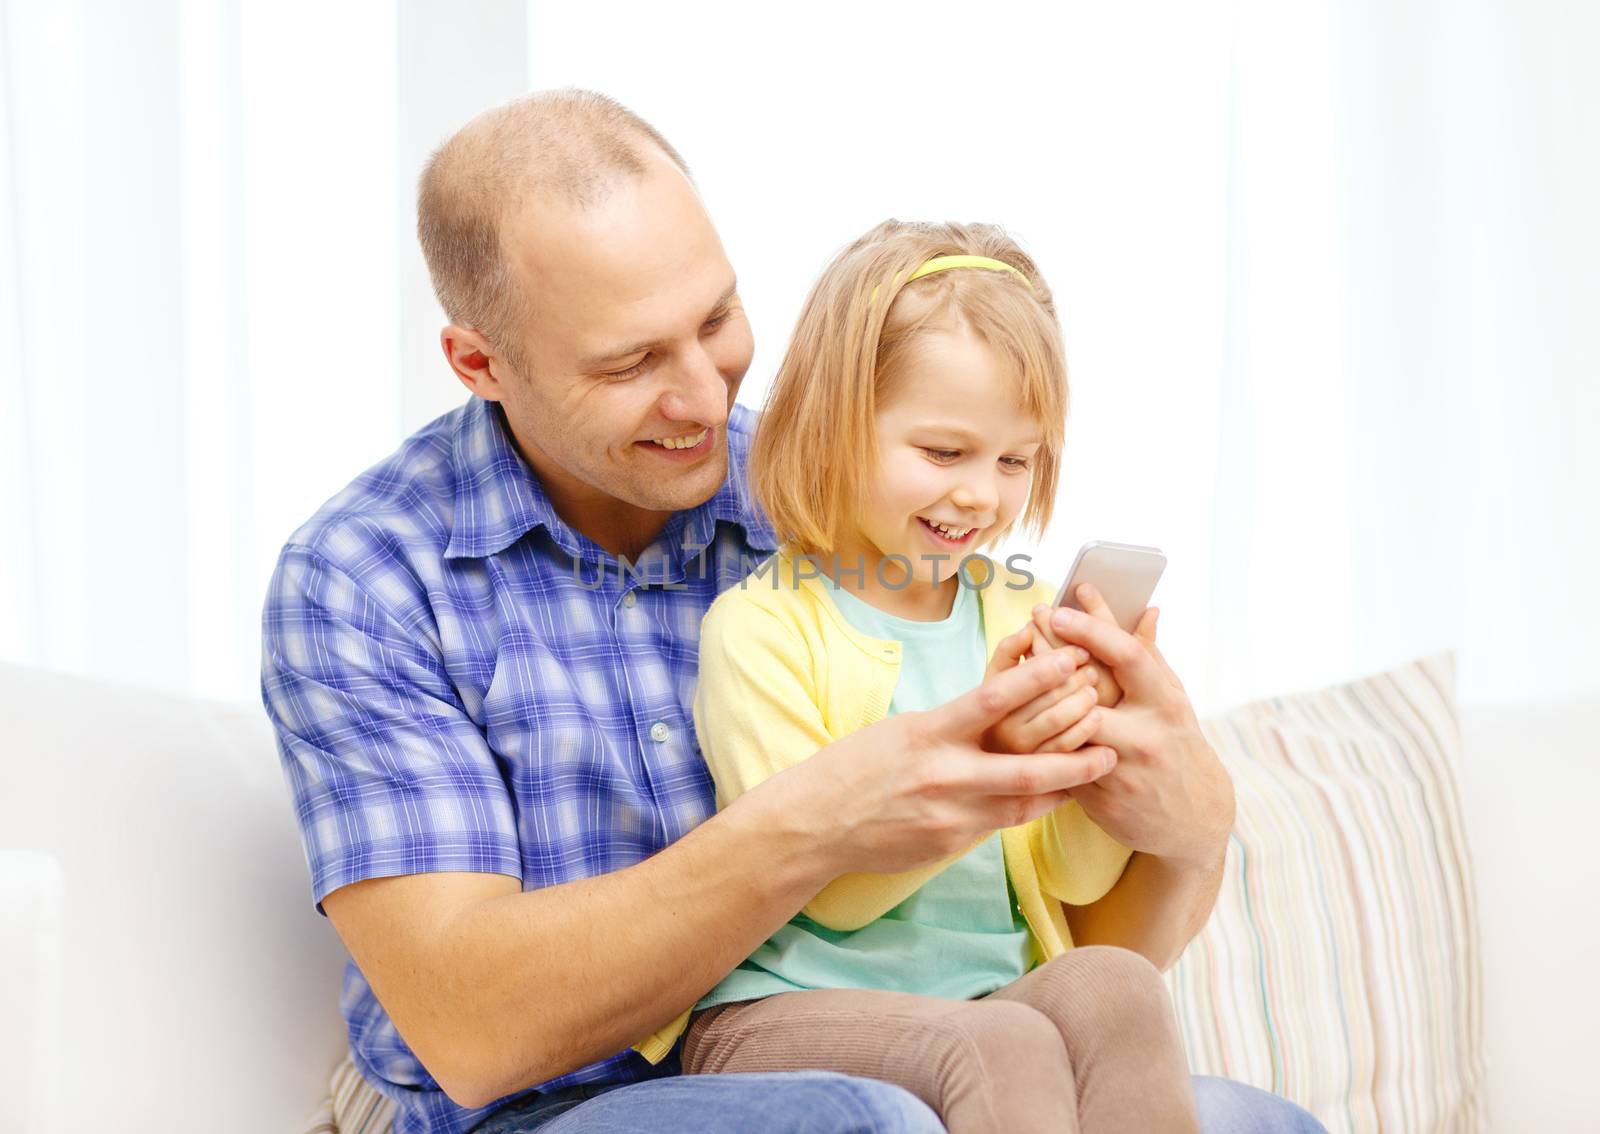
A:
(1078, 863)
(756, 714)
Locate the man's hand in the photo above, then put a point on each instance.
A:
(917, 787)
(1045, 638)
(1169, 795)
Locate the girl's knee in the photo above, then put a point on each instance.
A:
(1125, 984)
(985, 1030)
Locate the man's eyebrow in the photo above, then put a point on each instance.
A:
(595, 360)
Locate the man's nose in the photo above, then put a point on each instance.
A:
(696, 390)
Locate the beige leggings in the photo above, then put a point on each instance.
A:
(1085, 1042)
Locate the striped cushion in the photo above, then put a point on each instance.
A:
(355, 1107)
(322, 1121)
(1340, 967)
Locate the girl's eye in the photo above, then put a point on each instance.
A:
(942, 454)
(716, 321)
(1018, 463)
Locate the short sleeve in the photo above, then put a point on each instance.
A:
(388, 773)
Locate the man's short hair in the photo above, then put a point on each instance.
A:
(569, 145)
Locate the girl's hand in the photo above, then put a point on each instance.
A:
(1045, 638)
(1063, 716)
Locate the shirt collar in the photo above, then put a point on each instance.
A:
(499, 499)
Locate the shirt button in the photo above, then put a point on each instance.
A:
(628, 600)
(658, 732)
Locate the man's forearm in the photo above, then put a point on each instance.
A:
(1156, 908)
(629, 951)
(516, 988)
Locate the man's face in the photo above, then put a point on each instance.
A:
(635, 337)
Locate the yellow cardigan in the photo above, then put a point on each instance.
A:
(783, 674)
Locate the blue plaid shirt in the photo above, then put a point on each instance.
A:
(461, 681)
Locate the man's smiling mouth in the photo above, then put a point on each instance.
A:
(687, 441)
(684, 447)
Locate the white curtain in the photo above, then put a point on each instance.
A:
(212, 307)
(1408, 388)
(1325, 271)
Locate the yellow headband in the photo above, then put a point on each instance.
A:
(945, 263)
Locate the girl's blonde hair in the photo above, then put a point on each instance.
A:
(816, 443)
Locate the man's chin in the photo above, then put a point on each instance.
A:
(681, 490)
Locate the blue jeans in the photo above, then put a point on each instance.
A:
(822, 1102)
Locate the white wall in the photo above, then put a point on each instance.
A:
(1324, 271)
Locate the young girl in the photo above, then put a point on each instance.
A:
(917, 416)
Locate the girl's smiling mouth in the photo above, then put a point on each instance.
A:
(947, 535)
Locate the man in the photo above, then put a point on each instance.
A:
(479, 659)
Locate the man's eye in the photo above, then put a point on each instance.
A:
(636, 369)
(942, 454)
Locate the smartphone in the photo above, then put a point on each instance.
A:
(1123, 573)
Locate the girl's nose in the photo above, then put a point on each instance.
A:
(976, 495)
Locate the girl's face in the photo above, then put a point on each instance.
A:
(955, 457)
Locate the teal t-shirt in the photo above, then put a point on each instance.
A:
(960, 936)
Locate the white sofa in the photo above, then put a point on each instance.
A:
(161, 966)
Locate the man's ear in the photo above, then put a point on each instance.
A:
(481, 368)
